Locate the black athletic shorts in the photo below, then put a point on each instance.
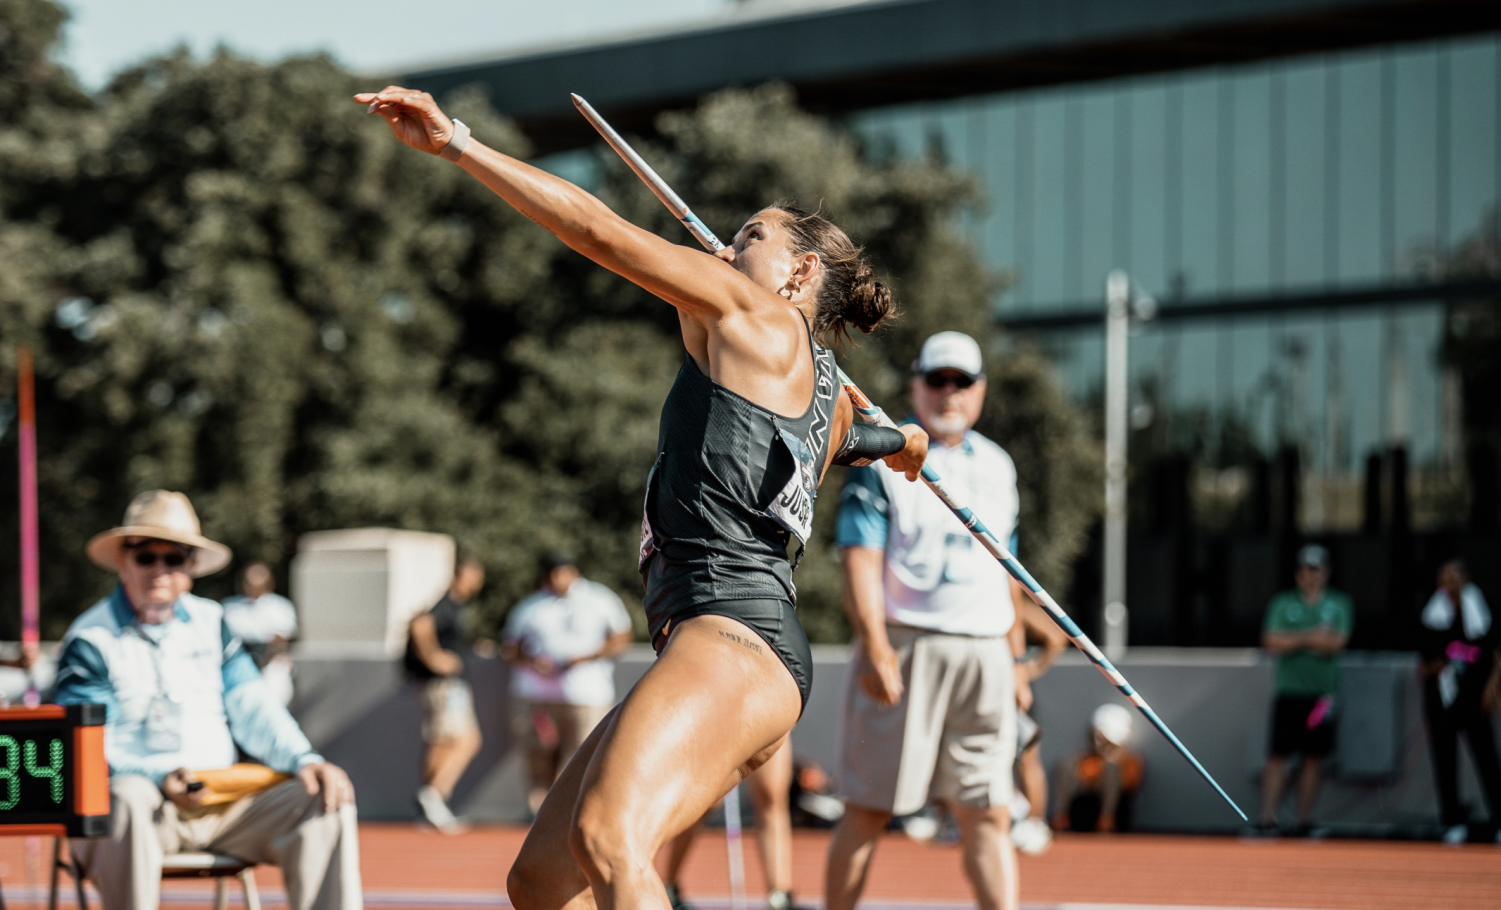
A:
(1291, 732)
(774, 620)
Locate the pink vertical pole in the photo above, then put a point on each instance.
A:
(30, 575)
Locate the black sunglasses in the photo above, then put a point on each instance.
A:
(940, 381)
(170, 560)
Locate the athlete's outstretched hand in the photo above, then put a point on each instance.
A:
(414, 117)
(910, 459)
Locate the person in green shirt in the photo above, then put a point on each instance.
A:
(1306, 628)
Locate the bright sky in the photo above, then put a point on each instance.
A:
(104, 36)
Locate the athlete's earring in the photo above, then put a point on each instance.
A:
(796, 286)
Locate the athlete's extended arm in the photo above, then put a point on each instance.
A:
(684, 277)
(906, 460)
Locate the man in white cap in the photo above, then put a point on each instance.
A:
(181, 694)
(931, 695)
(1096, 789)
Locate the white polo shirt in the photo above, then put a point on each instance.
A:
(562, 628)
(937, 576)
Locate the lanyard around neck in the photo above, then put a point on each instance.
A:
(156, 657)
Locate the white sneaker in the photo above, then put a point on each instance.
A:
(921, 828)
(436, 811)
(1032, 836)
(1457, 834)
(1021, 807)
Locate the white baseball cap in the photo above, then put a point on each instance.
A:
(1313, 556)
(1114, 723)
(950, 351)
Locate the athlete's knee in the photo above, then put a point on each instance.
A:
(605, 848)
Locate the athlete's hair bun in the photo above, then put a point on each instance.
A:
(849, 294)
(868, 302)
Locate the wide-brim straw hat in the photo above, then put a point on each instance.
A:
(161, 515)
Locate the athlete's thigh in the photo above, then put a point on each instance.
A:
(545, 875)
(717, 703)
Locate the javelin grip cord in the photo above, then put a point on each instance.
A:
(872, 414)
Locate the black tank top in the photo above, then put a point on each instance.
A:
(731, 481)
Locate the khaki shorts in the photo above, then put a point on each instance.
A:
(952, 737)
(447, 706)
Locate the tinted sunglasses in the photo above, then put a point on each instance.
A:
(170, 560)
(940, 381)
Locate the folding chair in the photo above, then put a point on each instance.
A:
(178, 865)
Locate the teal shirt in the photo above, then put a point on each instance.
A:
(1304, 672)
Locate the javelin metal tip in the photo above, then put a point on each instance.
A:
(578, 100)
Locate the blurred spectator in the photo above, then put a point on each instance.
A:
(267, 623)
(1096, 791)
(1306, 628)
(812, 799)
(25, 660)
(29, 668)
(931, 693)
(559, 641)
(181, 693)
(1030, 829)
(1460, 680)
(437, 641)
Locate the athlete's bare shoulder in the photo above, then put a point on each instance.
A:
(763, 357)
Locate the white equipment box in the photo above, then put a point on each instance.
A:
(365, 584)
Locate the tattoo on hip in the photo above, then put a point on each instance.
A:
(741, 640)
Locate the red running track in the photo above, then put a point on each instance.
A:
(406, 866)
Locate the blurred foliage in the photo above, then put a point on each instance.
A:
(239, 286)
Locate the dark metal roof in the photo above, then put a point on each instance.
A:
(873, 54)
(1092, 313)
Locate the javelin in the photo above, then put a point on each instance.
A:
(870, 413)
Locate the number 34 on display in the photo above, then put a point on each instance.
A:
(14, 754)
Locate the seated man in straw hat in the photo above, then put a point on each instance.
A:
(181, 694)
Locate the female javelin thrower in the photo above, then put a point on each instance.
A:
(744, 439)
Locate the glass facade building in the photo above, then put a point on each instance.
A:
(1309, 177)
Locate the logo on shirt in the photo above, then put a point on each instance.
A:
(823, 392)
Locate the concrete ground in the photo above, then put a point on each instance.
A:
(405, 866)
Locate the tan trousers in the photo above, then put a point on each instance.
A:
(552, 731)
(319, 854)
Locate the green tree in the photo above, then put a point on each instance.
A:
(239, 286)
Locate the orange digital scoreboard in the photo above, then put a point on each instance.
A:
(53, 776)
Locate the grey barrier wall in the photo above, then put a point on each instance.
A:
(360, 713)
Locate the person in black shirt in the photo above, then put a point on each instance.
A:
(436, 642)
(751, 424)
(1461, 678)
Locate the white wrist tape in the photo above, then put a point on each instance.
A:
(454, 150)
